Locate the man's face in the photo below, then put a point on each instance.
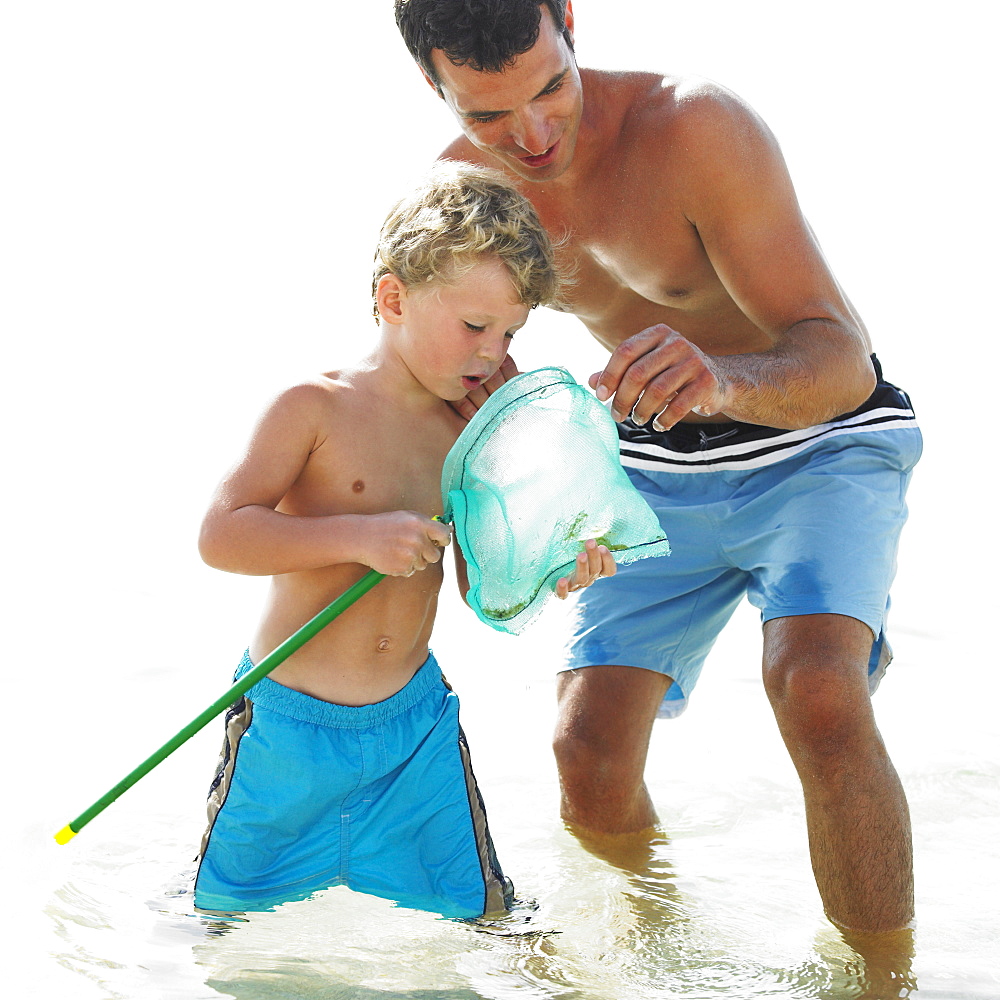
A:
(527, 116)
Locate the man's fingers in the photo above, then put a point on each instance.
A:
(696, 396)
(468, 405)
(464, 407)
(633, 367)
(506, 371)
(658, 375)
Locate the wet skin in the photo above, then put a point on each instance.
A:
(696, 269)
(329, 487)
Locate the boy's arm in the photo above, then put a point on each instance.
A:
(593, 563)
(242, 532)
(461, 571)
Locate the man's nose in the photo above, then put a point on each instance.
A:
(531, 131)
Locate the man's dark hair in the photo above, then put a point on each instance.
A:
(487, 35)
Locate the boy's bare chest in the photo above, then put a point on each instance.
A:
(381, 468)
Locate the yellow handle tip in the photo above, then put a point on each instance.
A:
(65, 835)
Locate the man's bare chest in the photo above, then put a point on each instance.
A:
(621, 251)
(636, 266)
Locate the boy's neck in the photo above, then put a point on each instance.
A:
(387, 376)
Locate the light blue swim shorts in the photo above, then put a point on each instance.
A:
(380, 798)
(801, 522)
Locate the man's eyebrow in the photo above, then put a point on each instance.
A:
(558, 78)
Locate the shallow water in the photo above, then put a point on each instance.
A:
(182, 243)
(722, 905)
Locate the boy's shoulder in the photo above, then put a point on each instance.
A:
(315, 408)
(318, 392)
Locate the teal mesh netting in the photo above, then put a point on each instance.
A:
(534, 475)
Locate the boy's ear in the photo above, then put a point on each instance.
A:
(390, 297)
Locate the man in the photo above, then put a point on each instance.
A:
(753, 418)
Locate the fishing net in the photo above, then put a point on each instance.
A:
(534, 475)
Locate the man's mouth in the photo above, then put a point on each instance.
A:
(540, 159)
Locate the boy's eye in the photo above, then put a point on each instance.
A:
(474, 328)
(510, 334)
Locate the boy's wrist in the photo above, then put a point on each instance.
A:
(356, 530)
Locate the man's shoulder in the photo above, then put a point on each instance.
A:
(657, 104)
(462, 149)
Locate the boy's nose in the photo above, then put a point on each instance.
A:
(492, 349)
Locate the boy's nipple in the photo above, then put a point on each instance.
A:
(358, 485)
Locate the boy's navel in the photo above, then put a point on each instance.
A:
(384, 645)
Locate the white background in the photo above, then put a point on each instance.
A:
(189, 198)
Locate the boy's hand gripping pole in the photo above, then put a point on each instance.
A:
(266, 665)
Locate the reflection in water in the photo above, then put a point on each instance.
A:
(647, 918)
(868, 966)
(643, 858)
(610, 923)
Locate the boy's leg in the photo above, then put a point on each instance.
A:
(418, 834)
(816, 676)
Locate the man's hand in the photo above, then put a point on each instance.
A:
(403, 542)
(468, 405)
(658, 374)
(592, 563)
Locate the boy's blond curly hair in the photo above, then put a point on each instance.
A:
(459, 214)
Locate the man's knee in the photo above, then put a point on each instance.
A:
(817, 685)
(605, 719)
(592, 765)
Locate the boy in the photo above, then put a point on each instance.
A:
(347, 766)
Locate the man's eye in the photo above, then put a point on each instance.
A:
(483, 119)
(552, 90)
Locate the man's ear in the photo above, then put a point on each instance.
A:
(569, 17)
(390, 297)
(430, 83)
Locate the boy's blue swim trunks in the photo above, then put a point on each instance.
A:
(801, 522)
(380, 798)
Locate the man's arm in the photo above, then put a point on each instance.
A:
(738, 196)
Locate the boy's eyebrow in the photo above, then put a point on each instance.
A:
(556, 79)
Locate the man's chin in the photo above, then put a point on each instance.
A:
(543, 172)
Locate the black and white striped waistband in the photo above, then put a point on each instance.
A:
(724, 447)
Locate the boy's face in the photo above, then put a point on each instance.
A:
(529, 115)
(454, 336)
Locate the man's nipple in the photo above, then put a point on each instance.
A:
(358, 485)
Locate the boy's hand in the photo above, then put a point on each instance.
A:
(403, 542)
(469, 405)
(592, 563)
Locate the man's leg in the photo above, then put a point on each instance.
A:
(815, 674)
(602, 735)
